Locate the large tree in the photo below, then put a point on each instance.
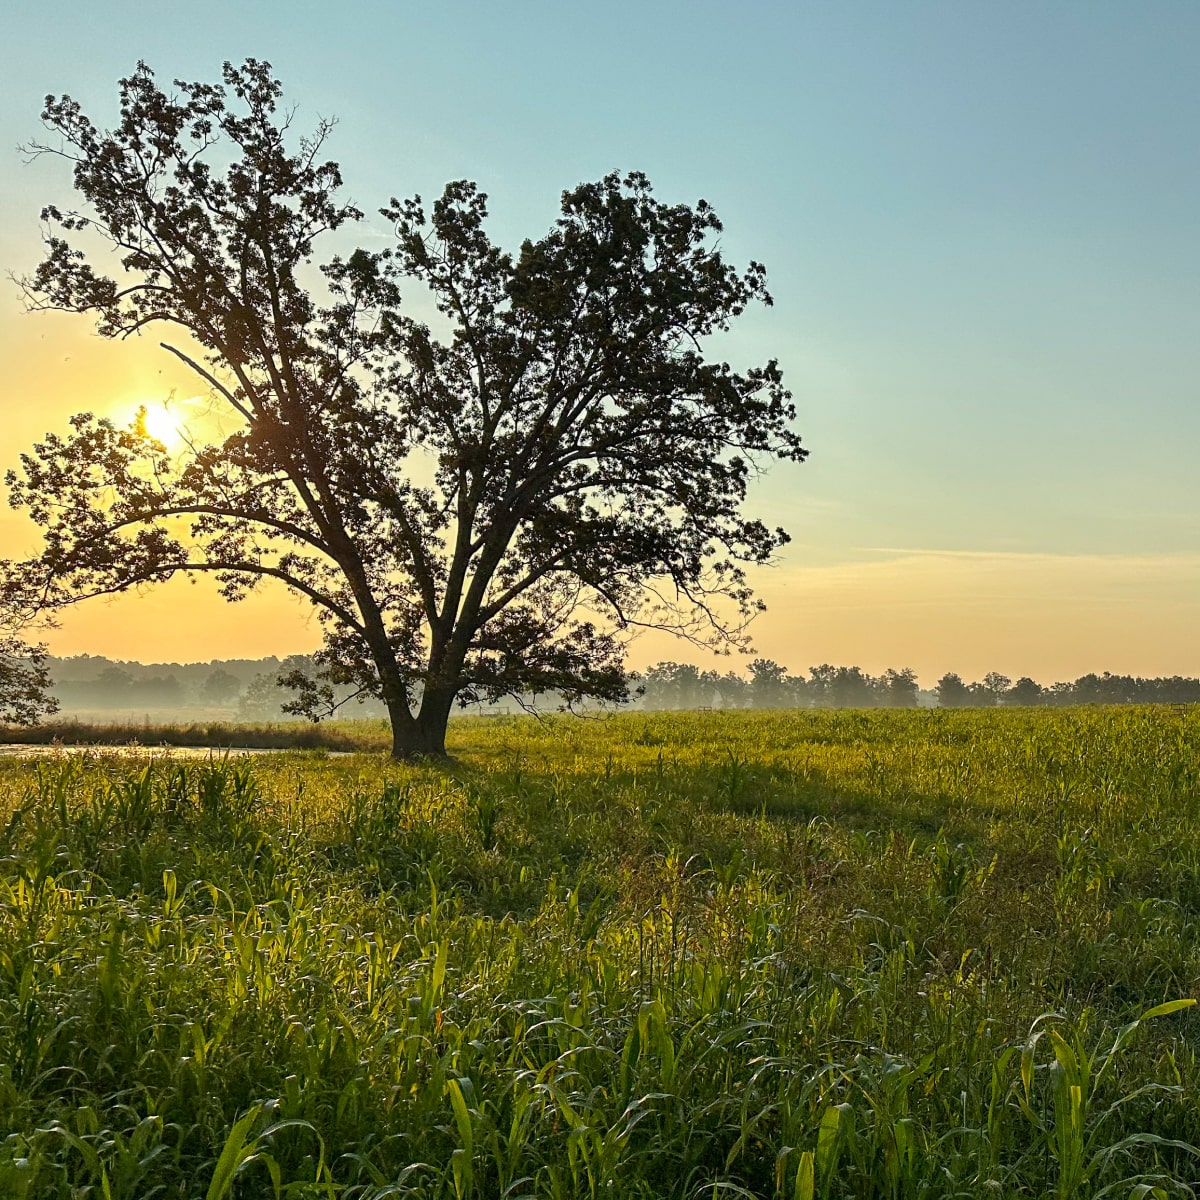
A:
(486, 501)
(25, 683)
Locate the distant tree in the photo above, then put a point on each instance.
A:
(900, 688)
(114, 683)
(709, 686)
(1174, 690)
(799, 692)
(1118, 689)
(992, 690)
(820, 685)
(672, 685)
(220, 687)
(952, 692)
(157, 691)
(483, 508)
(1025, 692)
(690, 687)
(732, 690)
(262, 699)
(768, 684)
(654, 686)
(850, 687)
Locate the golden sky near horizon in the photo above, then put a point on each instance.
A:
(1052, 616)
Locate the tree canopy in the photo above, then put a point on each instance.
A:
(488, 500)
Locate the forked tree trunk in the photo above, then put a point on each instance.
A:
(424, 736)
(417, 742)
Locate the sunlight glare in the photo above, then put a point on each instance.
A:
(157, 421)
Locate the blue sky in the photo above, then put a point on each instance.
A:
(981, 225)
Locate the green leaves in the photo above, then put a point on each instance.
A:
(25, 683)
(247, 1145)
(1077, 1134)
(836, 1125)
(240, 1149)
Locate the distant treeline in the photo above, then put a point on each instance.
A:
(245, 689)
(238, 688)
(767, 684)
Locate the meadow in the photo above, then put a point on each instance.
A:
(793, 954)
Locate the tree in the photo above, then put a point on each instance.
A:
(262, 699)
(486, 507)
(820, 684)
(900, 688)
(799, 694)
(114, 683)
(994, 688)
(732, 689)
(157, 691)
(25, 695)
(220, 687)
(850, 687)
(668, 685)
(768, 684)
(952, 692)
(1025, 691)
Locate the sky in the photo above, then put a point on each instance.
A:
(981, 225)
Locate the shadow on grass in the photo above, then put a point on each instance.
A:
(343, 736)
(774, 792)
(779, 793)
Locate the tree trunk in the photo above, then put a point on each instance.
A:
(416, 742)
(414, 738)
(426, 736)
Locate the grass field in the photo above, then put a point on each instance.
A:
(851, 954)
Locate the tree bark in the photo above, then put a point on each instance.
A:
(426, 736)
(422, 738)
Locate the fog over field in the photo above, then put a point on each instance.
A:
(95, 688)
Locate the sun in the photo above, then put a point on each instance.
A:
(157, 421)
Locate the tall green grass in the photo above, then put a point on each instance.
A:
(832, 954)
